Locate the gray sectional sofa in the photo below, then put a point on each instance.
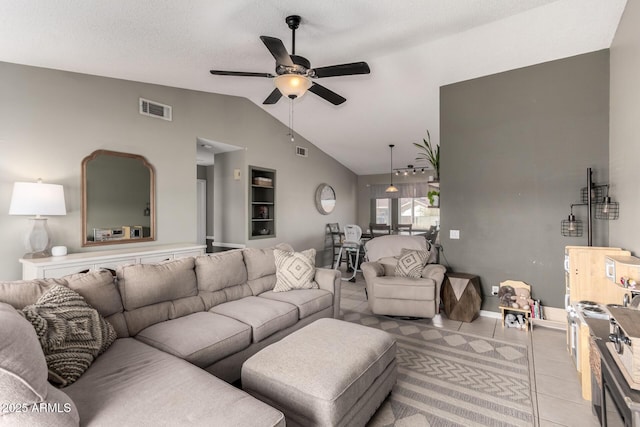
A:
(173, 321)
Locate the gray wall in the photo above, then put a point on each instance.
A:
(50, 120)
(624, 143)
(515, 148)
(210, 198)
(230, 206)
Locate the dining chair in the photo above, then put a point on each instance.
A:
(404, 229)
(333, 229)
(379, 229)
(351, 248)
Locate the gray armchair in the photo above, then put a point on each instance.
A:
(391, 295)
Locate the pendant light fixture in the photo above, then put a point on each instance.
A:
(391, 188)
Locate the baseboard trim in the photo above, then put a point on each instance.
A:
(490, 314)
(555, 318)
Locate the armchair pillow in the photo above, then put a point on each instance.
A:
(71, 332)
(294, 270)
(411, 263)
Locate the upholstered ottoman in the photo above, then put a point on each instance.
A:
(329, 373)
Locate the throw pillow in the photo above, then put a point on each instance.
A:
(295, 270)
(411, 263)
(71, 332)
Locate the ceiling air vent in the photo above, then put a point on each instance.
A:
(301, 151)
(155, 109)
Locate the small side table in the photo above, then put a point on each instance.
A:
(461, 296)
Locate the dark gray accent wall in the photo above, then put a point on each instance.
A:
(515, 148)
(624, 146)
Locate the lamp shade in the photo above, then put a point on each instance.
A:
(36, 198)
(292, 85)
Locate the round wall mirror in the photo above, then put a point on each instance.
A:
(325, 199)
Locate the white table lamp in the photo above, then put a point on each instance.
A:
(36, 198)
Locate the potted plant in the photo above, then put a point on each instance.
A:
(434, 198)
(430, 154)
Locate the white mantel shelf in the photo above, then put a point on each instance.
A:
(53, 267)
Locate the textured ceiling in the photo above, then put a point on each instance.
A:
(412, 46)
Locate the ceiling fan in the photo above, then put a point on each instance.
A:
(294, 73)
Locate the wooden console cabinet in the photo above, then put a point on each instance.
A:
(54, 267)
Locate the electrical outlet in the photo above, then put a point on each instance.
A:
(494, 290)
(454, 234)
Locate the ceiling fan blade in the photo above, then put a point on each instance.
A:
(342, 70)
(277, 49)
(239, 73)
(273, 97)
(327, 94)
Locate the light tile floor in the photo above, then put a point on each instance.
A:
(554, 380)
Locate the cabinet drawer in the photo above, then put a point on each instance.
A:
(56, 272)
(152, 259)
(188, 254)
(113, 265)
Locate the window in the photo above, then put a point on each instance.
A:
(418, 212)
(383, 211)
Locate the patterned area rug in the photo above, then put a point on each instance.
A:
(448, 378)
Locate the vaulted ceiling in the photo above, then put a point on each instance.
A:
(412, 47)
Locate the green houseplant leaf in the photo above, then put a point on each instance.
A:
(430, 154)
(431, 195)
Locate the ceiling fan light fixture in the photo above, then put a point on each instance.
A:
(292, 85)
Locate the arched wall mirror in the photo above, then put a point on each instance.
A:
(118, 199)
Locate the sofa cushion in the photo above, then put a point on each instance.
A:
(133, 384)
(294, 270)
(265, 316)
(389, 265)
(261, 262)
(308, 301)
(411, 263)
(23, 376)
(261, 267)
(71, 332)
(390, 246)
(20, 293)
(200, 338)
(98, 289)
(23, 369)
(221, 270)
(404, 288)
(262, 284)
(145, 284)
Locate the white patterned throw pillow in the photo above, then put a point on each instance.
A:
(295, 270)
(411, 263)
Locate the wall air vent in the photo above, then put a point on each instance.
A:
(301, 151)
(155, 109)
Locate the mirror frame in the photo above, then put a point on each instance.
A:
(321, 189)
(152, 198)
